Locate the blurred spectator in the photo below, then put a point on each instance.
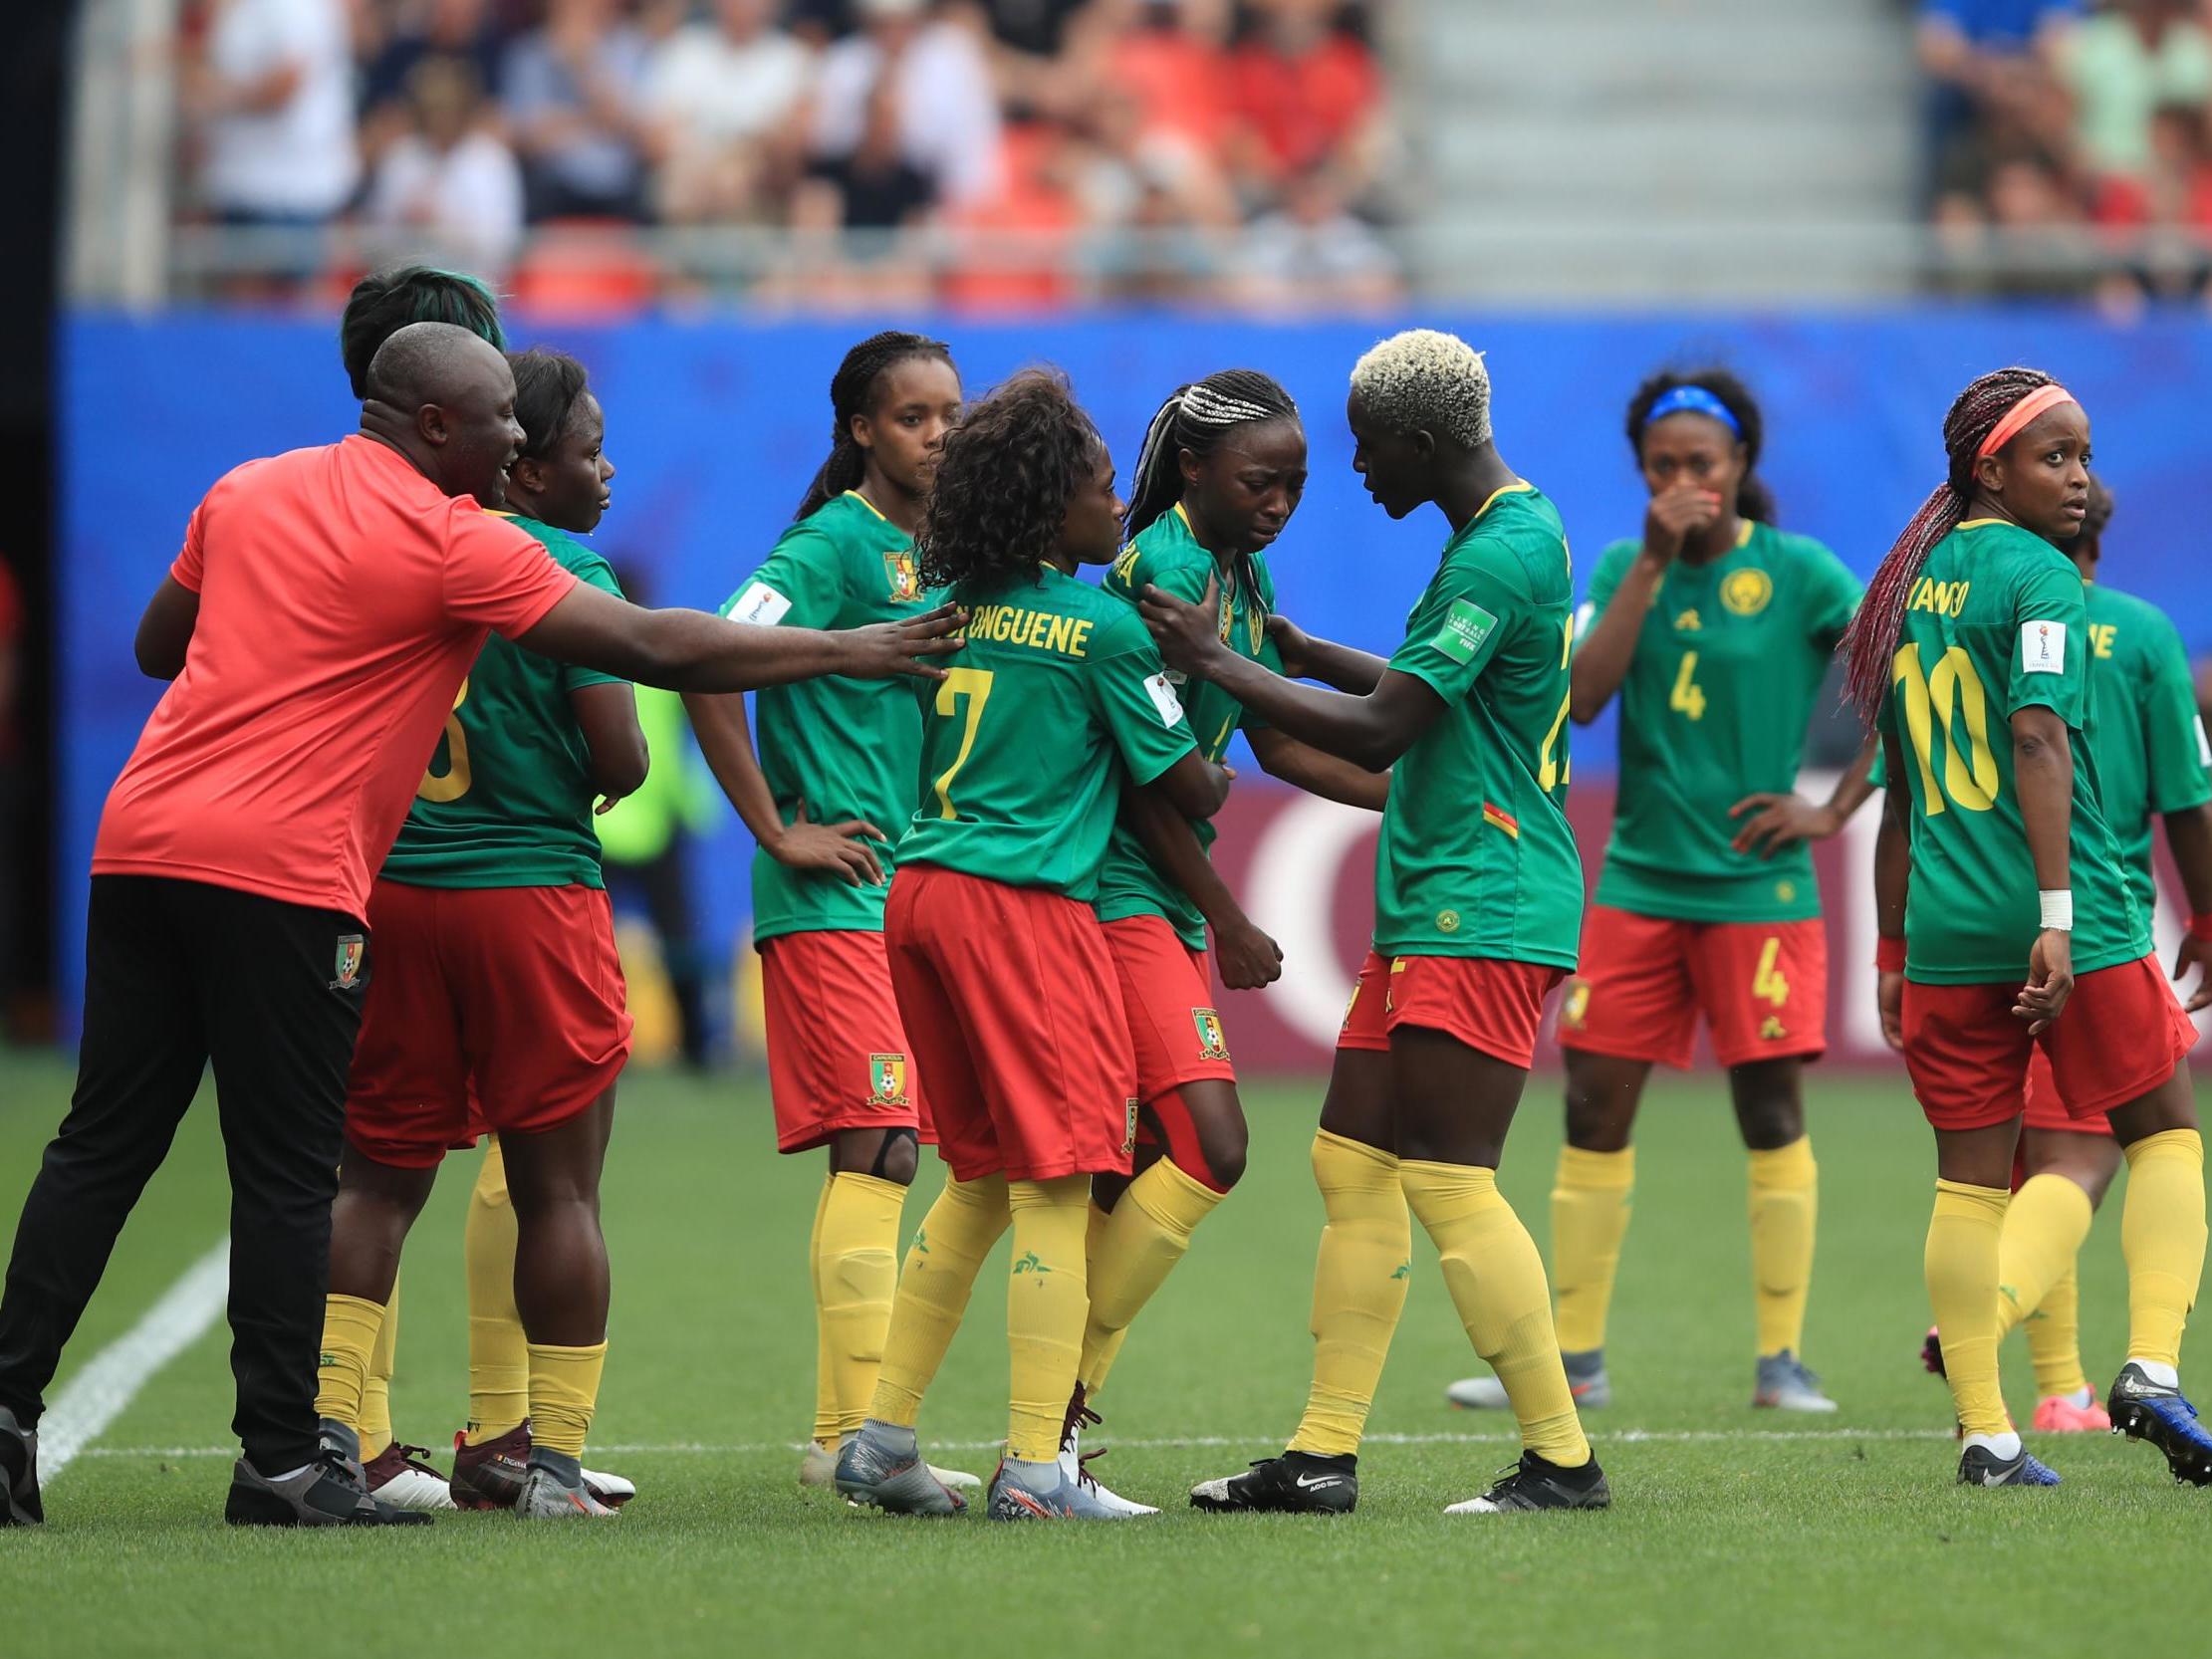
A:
(720, 96)
(948, 109)
(420, 31)
(1311, 254)
(1163, 256)
(1303, 93)
(873, 187)
(272, 90)
(571, 93)
(2121, 65)
(1014, 248)
(1164, 63)
(451, 179)
(1986, 59)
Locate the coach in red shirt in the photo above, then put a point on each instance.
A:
(317, 626)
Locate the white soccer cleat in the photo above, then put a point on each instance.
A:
(610, 1490)
(1072, 1472)
(402, 1477)
(1485, 1393)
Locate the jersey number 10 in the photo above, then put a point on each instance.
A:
(1932, 700)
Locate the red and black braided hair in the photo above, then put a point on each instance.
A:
(1870, 641)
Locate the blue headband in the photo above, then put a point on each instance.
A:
(1693, 400)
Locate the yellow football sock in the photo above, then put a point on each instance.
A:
(941, 1265)
(1785, 1204)
(348, 1333)
(1099, 1350)
(564, 1392)
(2161, 1233)
(1964, 1239)
(376, 1390)
(2044, 1225)
(1046, 1302)
(824, 1365)
(498, 1353)
(1143, 1240)
(1361, 1273)
(1496, 1280)
(856, 1272)
(1590, 1217)
(2055, 1338)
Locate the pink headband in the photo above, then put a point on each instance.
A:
(2021, 413)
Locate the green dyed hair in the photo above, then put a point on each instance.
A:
(385, 302)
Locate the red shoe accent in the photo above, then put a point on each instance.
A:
(489, 1476)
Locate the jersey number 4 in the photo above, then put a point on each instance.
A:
(1687, 697)
(973, 684)
(1949, 698)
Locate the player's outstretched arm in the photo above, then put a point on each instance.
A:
(2189, 838)
(689, 650)
(606, 715)
(1307, 657)
(166, 630)
(1305, 767)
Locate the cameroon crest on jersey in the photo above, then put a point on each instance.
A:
(887, 1075)
(903, 577)
(352, 947)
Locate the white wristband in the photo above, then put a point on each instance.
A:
(2058, 908)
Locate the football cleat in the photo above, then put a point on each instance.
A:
(1586, 1380)
(490, 1475)
(610, 1490)
(1296, 1483)
(1535, 1483)
(19, 1474)
(327, 1493)
(2066, 1414)
(1931, 1352)
(1075, 1462)
(1040, 1492)
(401, 1476)
(2145, 1410)
(554, 1490)
(342, 1442)
(881, 1467)
(1979, 1466)
(818, 1466)
(1786, 1384)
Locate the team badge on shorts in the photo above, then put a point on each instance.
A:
(1575, 1009)
(1212, 1044)
(887, 1077)
(904, 579)
(352, 947)
(1746, 591)
(1128, 1127)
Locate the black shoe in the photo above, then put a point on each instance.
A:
(322, 1495)
(1538, 1484)
(19, 1474)
(1296, 1483)
(2145, 1410)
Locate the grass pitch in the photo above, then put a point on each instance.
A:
(1734, 1530)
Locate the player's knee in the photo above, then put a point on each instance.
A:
(1597, 1120)
(898, 1158)
(1223, 1149)
(1769, 1111)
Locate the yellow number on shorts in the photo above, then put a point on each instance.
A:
(1687, 697)
(1970, 780)
(975, 685)
(453, 782)
(1551, 770)
(1767, 981)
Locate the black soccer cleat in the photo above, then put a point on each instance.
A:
(324, 1494)
(19, 1474)
(1296, 1483)
(1535, 1483)
(2145, 1410)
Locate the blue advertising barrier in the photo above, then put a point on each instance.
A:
(717, 424)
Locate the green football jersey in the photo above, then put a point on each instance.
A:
(1996, 623)
(1167, 556)
(2142, 726)
(1058, 694)
(1476, 857)
(507, 800)
(847, 747)
(1713, 708)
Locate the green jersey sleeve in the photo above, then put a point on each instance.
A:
(1134, 701)
(799, 586)
(593, 569)
(2173, 732)
(2049, 656)
(1454, 631)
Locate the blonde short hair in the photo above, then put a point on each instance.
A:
(1427, 380)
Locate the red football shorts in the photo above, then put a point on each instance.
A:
(1644, 980)
(2120, 1035)
(492, 1008)
(2045, 1110)
(1167, 993)
(837, 1057)
(1485, 1002)
(1010, 997)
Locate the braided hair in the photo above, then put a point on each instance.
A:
(1871, 640)
(1003, 484)
(384, 302)
(1753, 499)
(852, 390)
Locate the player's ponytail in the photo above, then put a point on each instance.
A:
(1870, 641)
(852, 392)
(1737, 409)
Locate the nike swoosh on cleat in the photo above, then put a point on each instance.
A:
(1315, 1482)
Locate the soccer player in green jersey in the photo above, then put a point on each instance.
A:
(1220, 473)
(1003, 978)
(1715, 629)
(835, 778)
(1970, 658)
(1478, 892)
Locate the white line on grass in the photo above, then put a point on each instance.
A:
(1632, 1437)
(97, 1395)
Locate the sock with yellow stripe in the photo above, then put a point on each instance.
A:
(825, 1366)
(348, 1333)
(941, 1265)
(2044, 1225)
(1359, 1277)
(1785, 1205)
(374, 1426)
(1964, 1241)
(856, 1272)
(1496, 1280)
(564, 1392)
(2161, 1233)
(1139, 1248)
(2055, 1339)
(1046, 1302)
(498, 1353)
(1590, 1217)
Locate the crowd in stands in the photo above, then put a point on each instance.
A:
(815, 153)
(2073, 137)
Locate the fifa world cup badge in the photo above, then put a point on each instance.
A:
(352, 947)
(886, 1080)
